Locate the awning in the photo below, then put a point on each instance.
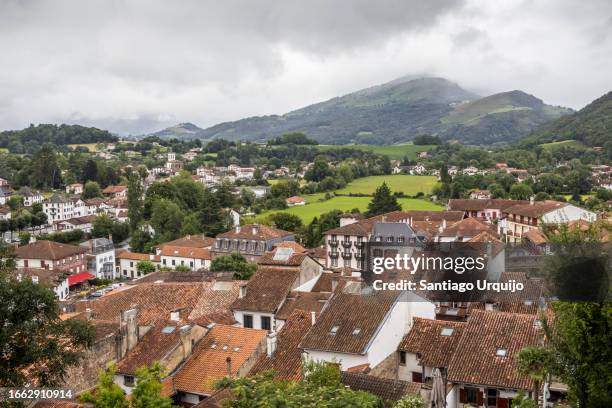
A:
(79, 277)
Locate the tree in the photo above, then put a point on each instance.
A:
(145, 267)
(24, 238)
(410, 401)
(534, 362)
(45, 172)
(90, 171)
(286, 221)
(233, 263)
(140, 240)
(147, 392)
(497, 191)
(320, 387)
(103, 227)
(225, 195)
(182, 268)
(166, 220)
(91, 189)
(520, 191)
(135, 200)
(108, 394)
(382, 202)
(319, 170)
(33, 337)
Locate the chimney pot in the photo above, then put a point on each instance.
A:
(228, 360)
(313, 318)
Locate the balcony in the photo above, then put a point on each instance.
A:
(360, 256)
(360, 245)
(347, 255)
(346, 244)
(333, 242)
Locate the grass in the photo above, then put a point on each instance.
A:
(90, 146)
(315, 208)
(562, 143)
(3, 150)
(409, 185)
(395, 152)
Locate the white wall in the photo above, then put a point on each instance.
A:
(197, 263)
(238, 315)
(569, 213)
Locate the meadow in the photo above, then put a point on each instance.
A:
(90, 146)
(395, 152)
(409, 185)
(315, 208)
(562, 143)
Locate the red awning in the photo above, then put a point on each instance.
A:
(79, 277)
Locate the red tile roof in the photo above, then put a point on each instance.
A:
(306, 301)
(468, 227)
(349, 322)
(208, 363)
(48, 250)
(136, 256)
(267, 289)
(476, 360)
(286, 361)
(535, 210)
(426, 338)
(295, 200)
(185, 252)
(255, 231)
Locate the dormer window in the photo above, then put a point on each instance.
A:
(356, 331)
(389, 239)
(501, 352)
(447, 331)
(334, 330)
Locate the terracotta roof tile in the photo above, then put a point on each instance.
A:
(136, 256)
(255, 231)
(479, 205)
(485, 334)
(114, 189)
(426, 338)
(48, 250)
(286, 361)
(306, 301)
(193, 241)
(349, 322)
(295, 259)
(185, 252)
(208, 363)
(386, 389)
(297, 248)
(537, 209)
(468, 227)
(267, 289)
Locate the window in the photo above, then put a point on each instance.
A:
(417, 377)
(491, 397)
(131, 264)
(173, 262)
(334, 330)
(356, 331)
(501, 352)
(128, 380)
(266, 323)
(389, 239)
(402, 358)
(164, 261)
(447, 331)
(247, 321)
(471, 395)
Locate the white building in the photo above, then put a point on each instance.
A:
(127, 263)
(100, 257)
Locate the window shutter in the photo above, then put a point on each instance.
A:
(480, 398)
(502, 403)
(462, 396)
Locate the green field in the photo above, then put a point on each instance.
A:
(315, 208)
(3, 150)
(90, 146)
(395, 152)
(409, 185)
(562, 143)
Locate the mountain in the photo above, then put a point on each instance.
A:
(400, 110)
(500, 117)
(181, 131)
(591, 125)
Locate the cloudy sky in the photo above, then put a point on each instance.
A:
(138, 66)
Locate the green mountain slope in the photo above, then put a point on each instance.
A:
(591, 125)
(180, 131)
(400, 110)
(500, 117)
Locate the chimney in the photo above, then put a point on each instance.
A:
(237, 228)
(185, 336)
(384, 218)
(255, 229)
(242, 292)
(175, 315)
(410, 222)
(532, 200)
(228, 360)
(129, 317)
(271, 343)
(443, 223)
(110, 237)
(334, 283)
(313, 318)
(88, 313)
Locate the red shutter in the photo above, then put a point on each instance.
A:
(417, 377)
(462, 396)
(502, 403)
(480, 398)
